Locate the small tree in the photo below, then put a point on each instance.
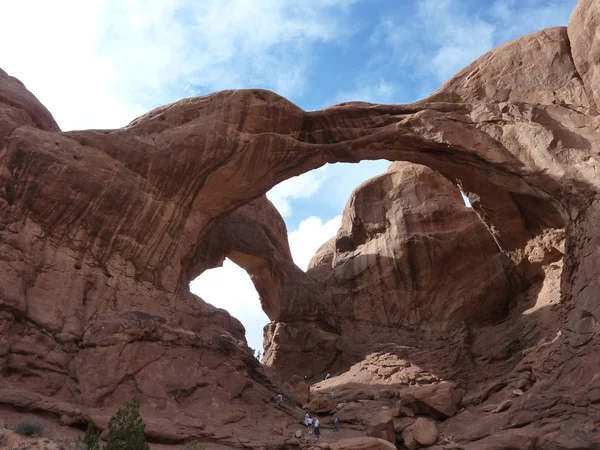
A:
(91, 440)
(126, 429)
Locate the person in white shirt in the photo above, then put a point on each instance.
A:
(317, 428)
(306, 417)
(309, 423)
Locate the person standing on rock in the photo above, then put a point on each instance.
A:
(336, 424)
(306, 417)
(317, 428)
(279, 399)
(309, 422)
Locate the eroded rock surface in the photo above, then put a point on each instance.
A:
(406, 242)
(410, 260)
(102, 230)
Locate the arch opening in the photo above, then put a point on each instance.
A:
(230, 287)
(517, 204)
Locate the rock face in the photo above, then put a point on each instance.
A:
(81, 332)
(409, 255)
(437, 400)
(382, 427)
(367, 443)
(422, 433)
(101, 232)
(406, 242)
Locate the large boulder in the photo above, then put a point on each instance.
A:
(298, 388)
(321, 403)
(439, 401)
(382, 427)
(421, 433)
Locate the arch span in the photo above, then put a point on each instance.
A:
(98, 225)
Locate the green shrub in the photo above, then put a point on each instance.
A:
(29, 428)
(91, 440)
(126, 429)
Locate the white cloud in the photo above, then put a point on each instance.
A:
(302, 186)
(310, 235)
(343, 178)
(100, 64)
(229, 287)
(459, 35)
(52, 51)
(443, 36)
(379, 91)
(515, 17)
(455, 37)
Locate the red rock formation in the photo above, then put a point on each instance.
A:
(102, 230)
(410, 253)
(409, 256)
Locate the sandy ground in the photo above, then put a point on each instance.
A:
(58, 437)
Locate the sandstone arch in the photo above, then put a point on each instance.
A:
(254, 236)
(98, 225)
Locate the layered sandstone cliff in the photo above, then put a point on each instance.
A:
(101, 232)
(411, 263)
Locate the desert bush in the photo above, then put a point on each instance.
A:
(91, 440)
(29, 427)
(126, 429)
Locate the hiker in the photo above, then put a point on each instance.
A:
(336, 424)
(279, 399)
(309, 422)
(258, 355)
(332, 395)
(317, 428)
(327, 377)
(306, 417)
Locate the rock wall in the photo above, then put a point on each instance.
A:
(102, 230)
(410, 253)
(84, 326)
(409, 260)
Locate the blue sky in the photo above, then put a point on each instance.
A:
(101, 64)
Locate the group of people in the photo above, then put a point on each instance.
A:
(314, 425)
